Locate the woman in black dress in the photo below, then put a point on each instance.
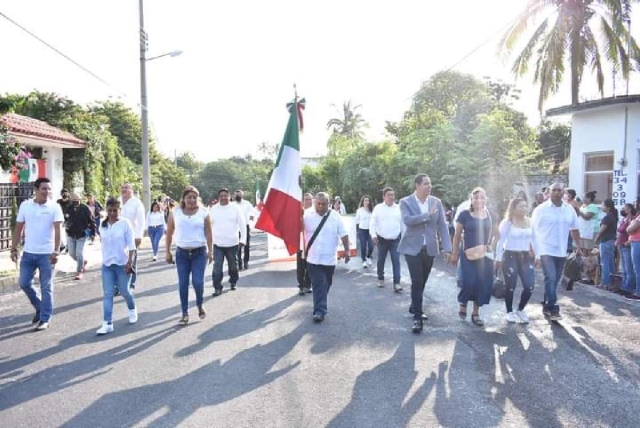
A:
(473, 226)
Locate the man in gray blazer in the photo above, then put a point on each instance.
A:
(424, 218)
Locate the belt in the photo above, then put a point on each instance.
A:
(192, 251)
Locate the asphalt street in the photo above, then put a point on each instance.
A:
(258, 360)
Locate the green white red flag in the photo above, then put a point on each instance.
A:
(280, 214)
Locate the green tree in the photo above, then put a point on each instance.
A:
(189, 162)
(555, 142)
(349, 123)
(575, 33)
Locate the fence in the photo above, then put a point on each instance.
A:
(11, 195)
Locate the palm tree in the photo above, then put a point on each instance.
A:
(569, 28)
(349, 124)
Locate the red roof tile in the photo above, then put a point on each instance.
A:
(33, 127)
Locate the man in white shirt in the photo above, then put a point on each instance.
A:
(229, 236)
(247, 209)
(552, 221)
(304, 282)
(133, 210)
(40, 219)
(385, 229)
(322, 252)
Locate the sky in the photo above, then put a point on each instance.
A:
(227, 92)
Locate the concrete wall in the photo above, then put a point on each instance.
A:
(603, 130)
(53, 156)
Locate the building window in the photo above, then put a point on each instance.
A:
(598, 176)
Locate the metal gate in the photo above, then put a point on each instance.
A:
(11, 196)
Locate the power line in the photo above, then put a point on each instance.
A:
(65, 56)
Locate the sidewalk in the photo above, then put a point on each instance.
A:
(65, 268)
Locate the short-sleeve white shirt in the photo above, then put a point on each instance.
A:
(551, 226)
(39, 220)
(324, 250)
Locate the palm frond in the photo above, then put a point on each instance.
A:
(595, 58)
(524, 20)
(521, 63)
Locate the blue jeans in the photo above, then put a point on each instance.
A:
(628, 274)
(518, 264)
(552, 268)
(76, 251)
(606, 262)
(389, 246)
(191, 263)
(219, 254)
(155, 234)
(366, 243)
(28, 264)
(134, 276)
(321, 280)
(635, 260)
(115, 276)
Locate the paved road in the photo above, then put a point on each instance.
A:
(257, 360)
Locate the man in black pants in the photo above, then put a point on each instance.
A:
(424, 218)
(248, 211)
(304, 282)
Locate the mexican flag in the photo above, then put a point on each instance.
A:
(280, 214)
(36, 168)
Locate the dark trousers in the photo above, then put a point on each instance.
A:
(246, 250)
(219, 254)
(302, 272)
(419, 269)
(389, 246)
(366, 243)
(321, 280)
(518, 264)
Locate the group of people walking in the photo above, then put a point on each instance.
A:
(416, 227)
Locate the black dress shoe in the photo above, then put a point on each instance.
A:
(246, 265)
(412, 312)
(233, 287)
(217, 292)
(318, 318)
(417, 326)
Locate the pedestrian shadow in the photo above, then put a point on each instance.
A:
(245, 323)
(147, 320)
(78, 371)
(380, 395)
(209, 385)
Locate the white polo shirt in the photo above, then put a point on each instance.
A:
(324, 250)
(246, 209)
(386, 221)
(39, 219)
(117, 241)
(551, 226)
(133, 211)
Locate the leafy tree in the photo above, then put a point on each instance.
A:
(555, 142)
(349, 123)
(569, 35)
(189, 162)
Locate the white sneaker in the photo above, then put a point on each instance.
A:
(523, 317)
(155, 258)
(511, 318)
(106, 328)
(369, 261)
(133, 316)
(364, 264)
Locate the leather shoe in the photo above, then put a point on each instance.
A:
(217, 292)
(318, 318)
(424, 316)
(417, 326)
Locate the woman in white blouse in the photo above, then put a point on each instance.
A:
(118, 248)
(363, 218)
(516, 257)
(194, 248)
(155, 227)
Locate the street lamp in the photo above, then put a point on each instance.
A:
(144, 113)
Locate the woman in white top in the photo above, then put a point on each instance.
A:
(194, 248)
(516, 257)
(363, 217)
(118, 248)
(155, 227)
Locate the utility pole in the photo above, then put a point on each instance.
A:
(144, 114)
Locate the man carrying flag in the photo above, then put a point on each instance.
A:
(280, 215)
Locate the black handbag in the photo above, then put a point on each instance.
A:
(499, 289)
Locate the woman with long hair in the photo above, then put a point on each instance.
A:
(118, 249)
(624, 247)
(155, 227)
(516, 257)
(606, 239)
(191, 224)
(477, 270)
(363, 217)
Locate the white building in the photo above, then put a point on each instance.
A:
(605, 147)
